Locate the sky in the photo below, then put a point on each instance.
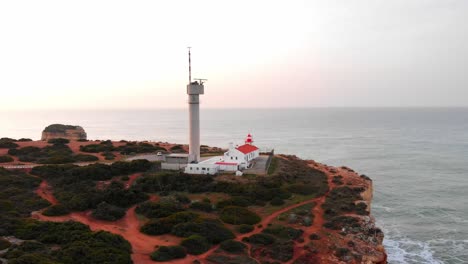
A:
(329, 53)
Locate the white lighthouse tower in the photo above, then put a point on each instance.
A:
(194, 89)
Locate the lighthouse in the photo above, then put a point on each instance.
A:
(194, 90)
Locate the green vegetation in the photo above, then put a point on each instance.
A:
(302, 214)
(164, 253)
(341, 200)
(158, 209)
(202, 206)
(260, 239)
(58, 141)
(4, 159)
(245, 228)
(277, 201)
(75, 186)
(58, 153)
(234, 201)
(213, 230)
(196, 244)
(76, 242)
(233, 246)
(4, 244)
(56, 210)
(340, 222)
(284, 232)
(273, 165)
(59, 128)
(108, 155)
(8, 143)
(178, 149)
(108, 212)
(237, 215)
(106, 147)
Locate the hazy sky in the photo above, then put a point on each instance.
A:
(132, 54)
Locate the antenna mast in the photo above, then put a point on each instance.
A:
(189, 66)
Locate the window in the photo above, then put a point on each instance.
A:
(198, 168)
(236, 158)
(203, 168)
(231, 157)
(191, 168)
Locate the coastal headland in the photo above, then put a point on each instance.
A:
(109, 208)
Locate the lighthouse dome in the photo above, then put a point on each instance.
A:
(249, 139)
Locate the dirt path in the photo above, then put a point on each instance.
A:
(128, 227)
(318, 216)
(45, 192)
(143, 245)
(132, 179)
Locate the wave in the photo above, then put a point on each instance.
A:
(407, 251)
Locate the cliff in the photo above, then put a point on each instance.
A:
(63, 131)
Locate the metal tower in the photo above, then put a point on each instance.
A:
(194, 89)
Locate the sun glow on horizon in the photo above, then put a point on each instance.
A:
(122, 54)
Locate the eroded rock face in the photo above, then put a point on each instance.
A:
(63, 131)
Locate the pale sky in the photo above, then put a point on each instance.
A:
(132, 54)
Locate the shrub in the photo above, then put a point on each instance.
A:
(8, 143)
(105, 211)
(166, 253)
(85, 158)
(4, 159)
(245, 228)
(108, 155)
(58, 141)
(314, 236)
(156, 227)
(284, 232)
(234, 201)
(202, 206)
(4, 244)
(56, 210)
(276, 201)
(213, 230)
(157, 209)
(340, 222)
(282, 251)
(57, 128)
(233, 246)
(24, 139)
(196, 244)
(237, 215)
(261, 239)
(184, 199)
(342, 200)
(125, 178)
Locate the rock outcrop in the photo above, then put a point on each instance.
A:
(63, 131)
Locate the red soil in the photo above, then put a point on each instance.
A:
(132, 179)
(128, 227)
(143, 245)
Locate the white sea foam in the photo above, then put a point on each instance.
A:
(407, 251)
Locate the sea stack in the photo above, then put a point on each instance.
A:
(63, 131)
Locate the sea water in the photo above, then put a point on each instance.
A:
(417, 158)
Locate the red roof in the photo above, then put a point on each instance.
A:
(247, 148)
(225, 163)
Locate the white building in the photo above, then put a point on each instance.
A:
(235, 159)
(242, 155)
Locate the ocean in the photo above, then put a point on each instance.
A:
(417, 158)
